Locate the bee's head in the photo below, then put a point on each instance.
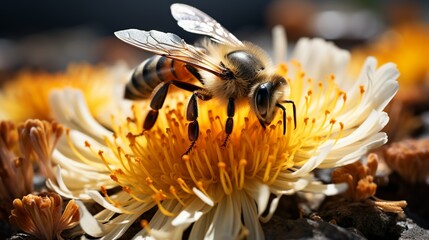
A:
(265, 96)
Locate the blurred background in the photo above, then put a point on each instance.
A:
(50, 34)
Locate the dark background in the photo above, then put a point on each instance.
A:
(50, 34)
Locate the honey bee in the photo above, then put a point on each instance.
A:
(225, 67)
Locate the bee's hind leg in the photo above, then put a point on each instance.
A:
(158, 99)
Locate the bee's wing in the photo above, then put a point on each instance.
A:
(172, 46)
(195, 21)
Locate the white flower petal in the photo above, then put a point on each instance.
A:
(273, 206)
(327, 189)
(250, 218)
(260, 193)
(279, 44)
(226, 222)
(203, 197)
(69, 108)
(98, 198)
(192, 212)
(89, 224)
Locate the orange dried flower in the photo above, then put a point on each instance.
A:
(20, 147)
(42, 216)
(359, 179)
(37, 142)
(409, 158)
(361, 186)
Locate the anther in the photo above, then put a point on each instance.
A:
(149, 181)
(126, 189)
(113, 177)
(362, 89)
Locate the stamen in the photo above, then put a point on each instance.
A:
(186, 159)
(158, 198)
(173, 191)
(340, 132)
(268, 169)
(79, 155)
(224, 178)
(241, 173)
(184, 186)
(145, 224)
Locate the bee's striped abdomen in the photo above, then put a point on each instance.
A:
(152, 72)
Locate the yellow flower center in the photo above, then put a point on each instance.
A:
(151, 167)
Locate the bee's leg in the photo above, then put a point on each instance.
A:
(192, 116)
(294, 111)
(229, 125)
(158, 99)
(284, 114)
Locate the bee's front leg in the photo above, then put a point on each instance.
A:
(229, 125)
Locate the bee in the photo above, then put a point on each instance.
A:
(225, 67)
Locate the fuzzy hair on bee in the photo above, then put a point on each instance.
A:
(221, 67)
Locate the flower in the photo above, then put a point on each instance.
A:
(27, 95)
(409, 158)
(361, 187)
(31, 142)
(359, 178)
(223, 191)
(42, 215)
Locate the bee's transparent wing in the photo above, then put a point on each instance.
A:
(195, 21)
(172, 46)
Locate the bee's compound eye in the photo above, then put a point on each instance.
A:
(262, 99)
